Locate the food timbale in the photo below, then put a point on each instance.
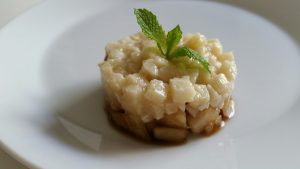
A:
(163, 86)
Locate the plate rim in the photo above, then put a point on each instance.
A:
(23, 160)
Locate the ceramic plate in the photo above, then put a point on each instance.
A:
(48, 66)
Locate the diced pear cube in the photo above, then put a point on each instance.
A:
(228, 68)
(156, 91)
(201, 97)
(135, 79)
(201, 100)
(112, 99)
(158, 111)
(228, 109)
(214, 63)
(152, 110)
(176, 120)
(149, 68)
(160, 61)
(181, 106)
(182, 90)
(192, 111)
(216, 100)
(225, 56)
(131, 123)
(213, 125)
(131, 99)
(148, 43)
(196, 41)
(116, 82)
(221, 84)
(215, 46)
(203, 77)
(171, 107)
(202, 119)
(167, 72)
(114, 50)
(193, 75)
(106, 70)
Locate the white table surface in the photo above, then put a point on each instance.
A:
(286, 14)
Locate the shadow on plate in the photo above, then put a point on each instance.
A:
(86, 110)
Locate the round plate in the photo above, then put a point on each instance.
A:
(48, 66)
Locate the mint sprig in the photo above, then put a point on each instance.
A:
(166, 44)
(151, 28)
(173, 39)
(184, 51)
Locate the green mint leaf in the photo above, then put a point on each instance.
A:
(184, 51)
(151, 28)
(166, 44)
(173, 39)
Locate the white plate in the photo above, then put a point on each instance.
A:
(48, 65)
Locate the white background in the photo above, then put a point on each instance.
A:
(285, 14)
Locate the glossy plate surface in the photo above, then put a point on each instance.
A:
(48, 65)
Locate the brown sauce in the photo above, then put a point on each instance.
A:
(132, 136)
(215, 129)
